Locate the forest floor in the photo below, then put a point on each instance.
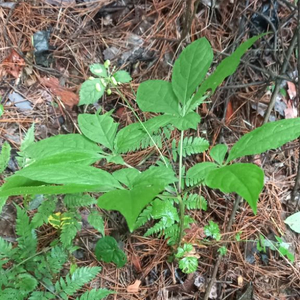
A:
(144, 37)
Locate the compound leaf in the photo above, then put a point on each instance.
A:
(269, 136)
(190, 68)
(96, 220)
(247, 180)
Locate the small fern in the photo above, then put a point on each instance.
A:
(95, 294)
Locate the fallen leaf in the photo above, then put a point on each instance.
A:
(291, 111)
(291, 90)
(136, 262)
(13, 64)
(68, 97)
(134, 288)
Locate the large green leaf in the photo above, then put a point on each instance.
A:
(83, 157)
(66, 173)
(157, 96)
(4, 156)
(99, 128)
(59, 144)
(190, 68)
(226, 68)
(130, 203)
(218, 153)
(269, 136)
(247, 180)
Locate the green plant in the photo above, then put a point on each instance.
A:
(280, 246)
(64, 164)
(27, 273)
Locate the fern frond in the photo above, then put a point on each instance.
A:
(172, 234)
(74, 282)
(70, 227)
(95, 294)
(41, 296)
(5, 251)
(78, 200)
(194, 201)
(144, 217)
(157, 228)
(27, 240)
(191, 145)
(44, 211)
(11, 294)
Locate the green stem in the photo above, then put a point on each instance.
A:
(181, 203)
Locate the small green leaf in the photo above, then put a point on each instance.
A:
(182, 251)
(247, 180)
(188, 264)
(96, 220)
(212, 230)
(4, 156)
(29, 138)
(294, 222)
(157, 96)
(1, 109)
(107, 249)
(99, 128)
(122, 76)
(218, 153)
(269, 136)
(95, 294)
(222, 250)
(98, 70)
(190, 69)
(91, 91)
(25, 282)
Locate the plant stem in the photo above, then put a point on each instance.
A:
(181, 204)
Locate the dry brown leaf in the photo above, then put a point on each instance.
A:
(68, 97)
(13, 64)
(134, 288)
(291, 111)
